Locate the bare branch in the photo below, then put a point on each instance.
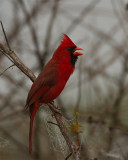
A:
(13, 57)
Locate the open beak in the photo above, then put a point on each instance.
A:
(78, 53)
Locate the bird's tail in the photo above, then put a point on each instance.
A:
(33, 110)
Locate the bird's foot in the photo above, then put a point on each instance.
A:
(52, 102)
(56, 108)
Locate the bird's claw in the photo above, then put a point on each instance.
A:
(57, 109)
(53, 103)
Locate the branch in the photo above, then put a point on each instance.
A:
(57, 114)
(13, 57)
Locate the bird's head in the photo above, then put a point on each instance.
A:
(67, 51)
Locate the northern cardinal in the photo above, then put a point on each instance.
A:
(52, 80)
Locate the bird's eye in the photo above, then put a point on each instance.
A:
(71, 49)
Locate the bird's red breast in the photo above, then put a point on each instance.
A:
(53, 78)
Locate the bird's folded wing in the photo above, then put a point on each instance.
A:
(46, 79)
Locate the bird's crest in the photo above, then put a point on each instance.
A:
(67, 42)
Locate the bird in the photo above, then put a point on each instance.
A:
(52, 79)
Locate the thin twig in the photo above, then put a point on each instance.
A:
(4, 34)
(68, 156)
(79, 86)
(6, 69)
(52, 123)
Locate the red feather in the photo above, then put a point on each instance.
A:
(51, 81)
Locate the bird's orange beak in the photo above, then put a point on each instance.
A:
(78, 53)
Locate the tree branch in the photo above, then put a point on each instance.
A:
(13, 57)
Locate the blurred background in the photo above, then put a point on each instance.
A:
(98, 88)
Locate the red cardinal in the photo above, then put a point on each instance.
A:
(53, 78)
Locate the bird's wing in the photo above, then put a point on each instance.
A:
(46, 79)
